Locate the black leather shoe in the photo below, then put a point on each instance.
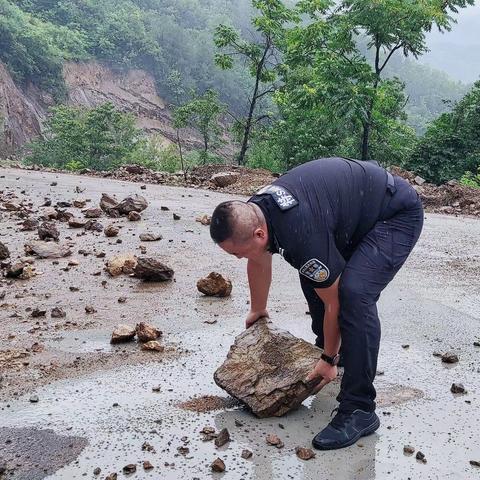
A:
(345, 429)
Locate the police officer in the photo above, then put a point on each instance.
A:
(347, 226)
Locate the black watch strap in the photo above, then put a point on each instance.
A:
(330, 360)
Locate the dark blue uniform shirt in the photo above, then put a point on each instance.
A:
(318, 212)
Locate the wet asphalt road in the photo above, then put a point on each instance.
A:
(432, 305)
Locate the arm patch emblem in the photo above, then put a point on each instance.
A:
(283, 198)
(315, 270)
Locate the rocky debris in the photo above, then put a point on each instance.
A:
(134, 203)
(176, 216)
(475, 463)
(224, 179)
(304, 453)
(146, 447)
(153, 346)
(33, 399)
(151, 270)
(111, 230)
(30, 224)
(135, 169)
(421, 457)
(90, 309)
(94, 226)
(408, 450)
(97, 471)
(246, 454)
(457, 388)
(204, 220)
(274, 440)
(77, 222)
(214, 284)
(58, 312)
(266, 369)
(38, 312)
(47, 231)
(20, 270)
(223, 437)
(49, 213)
(122, 333)
(124, 263)
(163, 208)
(150, 237)
(134, 216)
(64, 216)
(218, 465)
(130, 468)
(146, 332)
(92, 212)
(122, 299)
(80, 203)
(4, 251)
(112, 476)
(47, 249)
(449, 357)
(37, 347)
(476, 344)
(208, 403)
(108, 204)
(147, 465)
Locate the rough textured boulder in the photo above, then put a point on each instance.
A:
(150, 269)
(124, 263)
(223, 179)
(108, 204)
(134, 203)
(215, 285)
(266, 369)
(122, 333)
(146, 332)
(47, 249)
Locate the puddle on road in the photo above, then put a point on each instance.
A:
(119, 410)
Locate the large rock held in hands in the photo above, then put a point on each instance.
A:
(266, 369)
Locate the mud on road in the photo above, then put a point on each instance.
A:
(62, 378)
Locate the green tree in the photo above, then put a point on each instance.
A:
(451, 145)
(202, 113)
(260, 57)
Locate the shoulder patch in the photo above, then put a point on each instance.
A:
(283, 198)
(315, 270)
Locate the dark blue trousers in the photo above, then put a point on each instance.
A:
(369, 269)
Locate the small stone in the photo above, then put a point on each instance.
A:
(124, 263)
(122, 333)
(147, 465)
(146, 332)
(223, 179)
(77, 222)
(58, 312)
(30, 224)
(53, 184)
(130, 468)
(223, 437)
(112, 476)
(218, 465)
(421, 457)
(408, 449)
(150, 237)
(304, 453)
(214, 284)
(476, 344)
(89, 309)
(457, 388)
(134, 216)
(406, 346)
(34, 399)
(274, 440)
(449, 357)
(94, 226)
(419, 180)
(97, 471)
(111, 230)
(176, 216)
(143, 187)
(246, 454)
(153, 346)
(47, 231)
(204, 220)
(150, 269)
(122, 299)
(37, 312)
(475, 463)
(4, 252)
(92, 212)
(79, 203)
(164, 209)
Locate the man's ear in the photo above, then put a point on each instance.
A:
(260, 233)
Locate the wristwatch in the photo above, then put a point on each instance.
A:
(331, 360)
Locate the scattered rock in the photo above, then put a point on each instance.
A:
(246, 454)
(304, 453)
(79, 203)
(122, 333)
(135, 203)
(153, 346)
(164, 209)
(223, 437)
(34, 399)
(147, 465)
(218, 465)
(48, 230)
(475, 463)
(47, 249)
(111, 230)
(64, 216)
(134, 216)
(215, 285)
(90, 309)
(37, 347)
(94, 226)
(150, 269)
(408, 450)
(204, 220)
(176, 216)
(4, 251)
(124, 263)
(49, 213)
(58, 312)
(92, 212)
(122, 299)
(150, 237)
(476, 344)
(112, 476)
(97, 471)
(274, 440)
(421, 457)
(146, 332)
(30, 224)
(20, 270)
(266, 369)
(419, 180)
(449, 357)
(130, 468)
(405, 346)
(457, 388)
(38, 312)
(224, 179)
(108, 204)
(77, 222)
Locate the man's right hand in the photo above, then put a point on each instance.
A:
(252, 317)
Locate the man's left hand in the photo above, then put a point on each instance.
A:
(325, 371)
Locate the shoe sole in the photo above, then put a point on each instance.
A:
(363, 433)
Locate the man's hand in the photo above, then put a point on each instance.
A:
(252, 317)
(325, 371)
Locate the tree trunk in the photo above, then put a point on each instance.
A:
(182, 163)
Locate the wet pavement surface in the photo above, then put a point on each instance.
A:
(100, 412)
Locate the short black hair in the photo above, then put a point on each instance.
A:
(222, 223)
